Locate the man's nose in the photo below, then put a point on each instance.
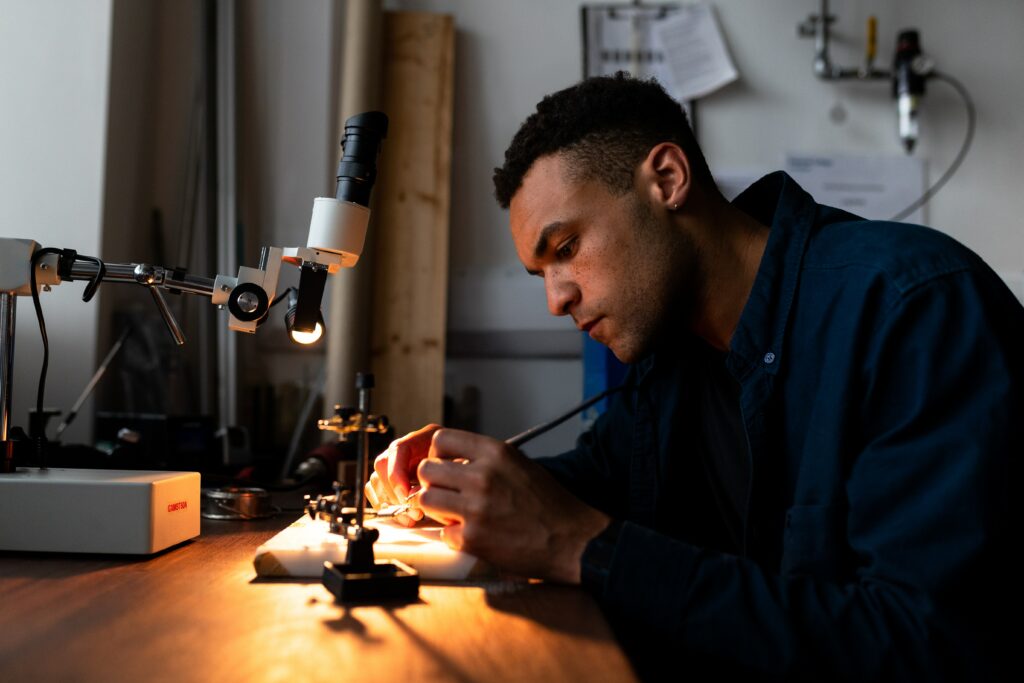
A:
(562, 295)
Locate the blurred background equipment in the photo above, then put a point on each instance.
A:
(911, 69)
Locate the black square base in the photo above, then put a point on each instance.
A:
(390, 581)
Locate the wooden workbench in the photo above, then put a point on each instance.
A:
(198, 613)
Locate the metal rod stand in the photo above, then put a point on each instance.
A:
(8, 304)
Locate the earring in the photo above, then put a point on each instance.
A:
(675, 207)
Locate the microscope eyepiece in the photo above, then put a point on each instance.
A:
(357, 170)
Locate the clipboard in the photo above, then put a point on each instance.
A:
(622, 37)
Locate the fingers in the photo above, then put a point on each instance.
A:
(441, 504)
(459, 476)
(412, 515)
(376, 500)
(403, 456)
(381, 485)
(371, 495)
(452, 536)
(408, 520)
(395, 468)
(445, 474)
(455, 444)
(439, 460)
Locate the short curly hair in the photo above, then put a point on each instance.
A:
(607, 125)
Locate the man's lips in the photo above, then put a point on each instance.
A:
(586, 327)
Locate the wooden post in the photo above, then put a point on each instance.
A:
(410, 280)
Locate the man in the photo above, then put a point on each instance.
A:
(807, 474)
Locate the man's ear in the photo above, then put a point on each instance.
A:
(665, 176)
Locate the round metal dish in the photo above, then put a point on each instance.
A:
(236, 502)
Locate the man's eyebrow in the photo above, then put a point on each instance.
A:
(545, 236)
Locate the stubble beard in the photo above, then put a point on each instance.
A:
(667, 300)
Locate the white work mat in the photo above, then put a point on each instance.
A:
(302, 548)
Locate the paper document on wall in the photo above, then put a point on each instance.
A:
(624, 38)
(875, 187)
(698, 59)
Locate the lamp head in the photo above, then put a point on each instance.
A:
(306, 337)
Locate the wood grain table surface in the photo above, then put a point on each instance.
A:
(197, 612)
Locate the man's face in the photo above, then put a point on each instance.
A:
(607, 260)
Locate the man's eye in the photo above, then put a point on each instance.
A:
(565, 251)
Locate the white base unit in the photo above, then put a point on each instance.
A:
(97, 511)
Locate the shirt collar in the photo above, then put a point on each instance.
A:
(776, 200)
(779, 202)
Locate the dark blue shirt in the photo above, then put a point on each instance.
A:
(879, 368)
(723, 447)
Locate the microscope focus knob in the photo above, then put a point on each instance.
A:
(248, 302)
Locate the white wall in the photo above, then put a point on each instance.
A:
(779, 106)
(510, 54)
(54, 73)
(288, 154)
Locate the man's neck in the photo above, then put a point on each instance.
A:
(731, 244)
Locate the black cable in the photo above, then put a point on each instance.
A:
(96, 280)
(964, 147)
(39, 421)
(280, 297)
(523, 437)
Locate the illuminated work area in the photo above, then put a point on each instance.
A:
(502, 341)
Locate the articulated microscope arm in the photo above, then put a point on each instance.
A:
(336, 234)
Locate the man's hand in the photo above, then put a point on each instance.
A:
(393, 477)
(502, 507)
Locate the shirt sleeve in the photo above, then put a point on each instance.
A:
(927, 522)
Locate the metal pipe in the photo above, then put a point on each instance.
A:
(820, 27)
(224, 100)
(822, 61)
(350, 298)
(165, 313)
(8, 304)
(191, 284)
(364, 382)
(116, 272)
(144, 274)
